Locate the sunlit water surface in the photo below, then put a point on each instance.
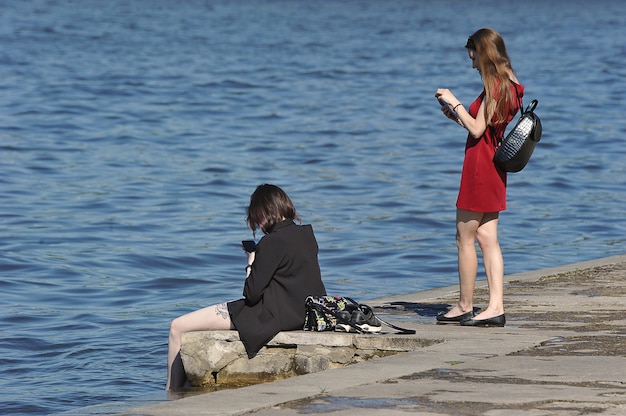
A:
(132, 134)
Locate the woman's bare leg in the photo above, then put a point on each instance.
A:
(211, 318)
(467, 223)
(487, 236)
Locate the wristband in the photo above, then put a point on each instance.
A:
(454, 108)
(249, 266)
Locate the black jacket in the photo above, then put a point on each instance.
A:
(285, 271)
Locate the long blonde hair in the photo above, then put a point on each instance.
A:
(496, 71)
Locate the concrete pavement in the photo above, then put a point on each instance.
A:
(562, 352)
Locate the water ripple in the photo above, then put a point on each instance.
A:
(132, 137)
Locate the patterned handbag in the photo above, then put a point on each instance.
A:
(516, 148)
(338, 313)
(324, 312)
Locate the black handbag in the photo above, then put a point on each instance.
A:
(516, 148)
(338, 313)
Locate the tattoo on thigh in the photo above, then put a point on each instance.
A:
(222, 310)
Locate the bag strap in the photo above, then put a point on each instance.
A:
(397, 328)
(520, 101)
(519, 98)
(531, 107)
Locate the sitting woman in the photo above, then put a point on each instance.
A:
(281, 272)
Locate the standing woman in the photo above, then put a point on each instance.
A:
(282, 271)
(482, 194)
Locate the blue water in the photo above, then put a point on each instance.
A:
(132, 134)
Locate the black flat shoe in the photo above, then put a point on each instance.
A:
(443, 319)
(499, 320)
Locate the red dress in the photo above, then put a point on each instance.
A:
(483, 185)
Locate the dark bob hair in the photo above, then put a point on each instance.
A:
(269, 205)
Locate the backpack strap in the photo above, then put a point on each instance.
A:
(520, 101)
(519, 98)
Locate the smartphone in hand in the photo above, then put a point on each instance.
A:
(249, 246)
(447, 107)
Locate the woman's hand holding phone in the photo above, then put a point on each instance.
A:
(249, 246)
(449, 112)
(444, 96)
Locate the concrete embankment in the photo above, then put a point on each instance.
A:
(563, 352)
